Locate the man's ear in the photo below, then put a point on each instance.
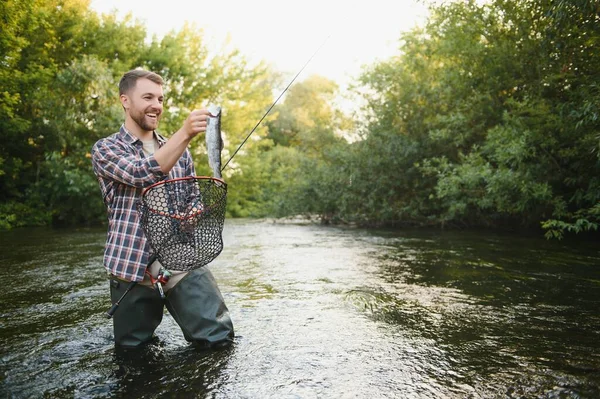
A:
(124, 101)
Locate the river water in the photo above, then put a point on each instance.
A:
(319, 312)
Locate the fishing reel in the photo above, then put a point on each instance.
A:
(162, 278)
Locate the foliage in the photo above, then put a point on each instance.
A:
(18, 214)
(501, 100)
(67, 187)
(488, 115)
(59, 74)
(306, 130)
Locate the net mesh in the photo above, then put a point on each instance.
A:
(183, 220)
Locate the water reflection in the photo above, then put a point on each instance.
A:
(319, 312)
(159, 371)
(500, 307)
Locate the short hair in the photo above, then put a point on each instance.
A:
(130, 78)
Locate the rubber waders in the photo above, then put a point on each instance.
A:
(198, 307)
(139, 313)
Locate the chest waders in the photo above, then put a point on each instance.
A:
(195, 303)
(198, 307)
(140, 311)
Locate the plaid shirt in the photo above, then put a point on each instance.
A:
(123, 171)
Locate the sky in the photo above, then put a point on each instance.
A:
(348, 33)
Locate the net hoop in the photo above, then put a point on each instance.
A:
(183, 220)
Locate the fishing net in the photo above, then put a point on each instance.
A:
(183, 220)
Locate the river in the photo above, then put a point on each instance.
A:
(319, 312)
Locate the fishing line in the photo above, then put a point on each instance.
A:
(272, 105)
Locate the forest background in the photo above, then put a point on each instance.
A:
(487, 116)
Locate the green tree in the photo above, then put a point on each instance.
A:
(59, 78)
(499, 102)
(38, 38)
(307, 131)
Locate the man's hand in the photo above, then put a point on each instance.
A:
(169, 153)
(196, 122)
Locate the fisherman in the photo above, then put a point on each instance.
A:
(125, 163)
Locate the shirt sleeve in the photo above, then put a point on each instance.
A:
(113, 162)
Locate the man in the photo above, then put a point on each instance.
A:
(125, 163)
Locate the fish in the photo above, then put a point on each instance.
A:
(214, 141)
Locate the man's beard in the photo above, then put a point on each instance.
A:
(142, 122)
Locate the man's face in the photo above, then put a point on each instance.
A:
(144, 104)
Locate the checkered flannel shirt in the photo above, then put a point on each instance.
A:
(123, 171)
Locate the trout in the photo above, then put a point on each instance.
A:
(214, 142)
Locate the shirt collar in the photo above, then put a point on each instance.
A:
(130, 138)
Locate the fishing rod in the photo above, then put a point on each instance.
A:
(272, 105)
